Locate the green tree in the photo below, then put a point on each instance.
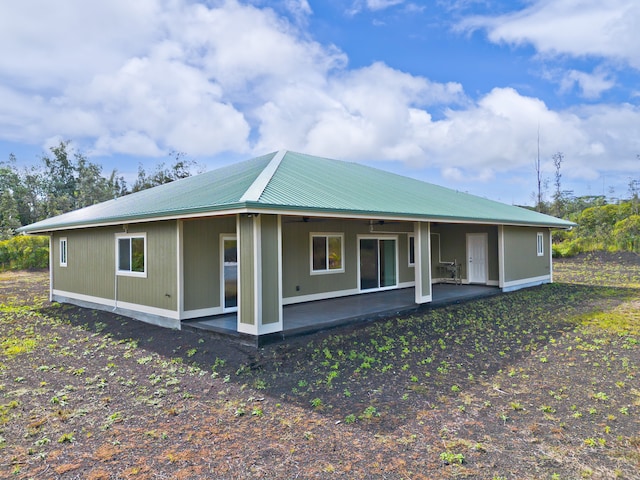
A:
(9, 218)
(180, 168)
(59, 180)
(626, 233)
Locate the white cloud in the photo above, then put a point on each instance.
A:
(574, 27)
(382, 4)
(177, 75)
(365, 113)
(299, 9)
(50, 44)
(591, 85)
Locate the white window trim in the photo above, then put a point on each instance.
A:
(540, 244)
(128, 273)
(327, 235)
(409, 237)
(397, 274)
(64, 248)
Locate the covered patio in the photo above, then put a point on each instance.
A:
(309, 317)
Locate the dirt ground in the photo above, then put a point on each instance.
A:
(542, 383)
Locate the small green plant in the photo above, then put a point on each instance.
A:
(601, 396)
(41, 442)
(369, 413)
(590, 442)
(317, 403)
(145, 360)
(351, 418)
(449, 458)
(66, 438)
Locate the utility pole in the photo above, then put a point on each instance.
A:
(539, 175)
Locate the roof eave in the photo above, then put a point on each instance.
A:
(253, 206)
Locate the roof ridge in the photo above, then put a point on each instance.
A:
(254, 192)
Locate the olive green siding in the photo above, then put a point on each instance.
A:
(296, 262)
(270, 264)
(160, 287)
(405, 272)
(91, 262)
(521, 260)
(246, 257)
(452, 243)
(202, 255)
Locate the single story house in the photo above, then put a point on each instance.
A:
(282, 229)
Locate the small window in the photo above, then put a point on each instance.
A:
(131, 255)
(540, 244)
(412, 250)
(326, 253)
(63, 252)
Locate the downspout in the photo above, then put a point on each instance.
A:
(51, 267)
(115, 299)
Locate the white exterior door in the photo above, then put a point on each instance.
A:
(477, 261)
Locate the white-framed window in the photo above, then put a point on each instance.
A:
(131, 254)
(540, 244)
(327, 253)
(411, 242)
(63, 252)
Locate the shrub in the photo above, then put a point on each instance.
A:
(24, 252)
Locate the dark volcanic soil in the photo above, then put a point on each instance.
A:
(540, 383)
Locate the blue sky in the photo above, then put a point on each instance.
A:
(450, 92)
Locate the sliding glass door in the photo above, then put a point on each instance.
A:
(378, 267)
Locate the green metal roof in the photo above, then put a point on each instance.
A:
(294, 182)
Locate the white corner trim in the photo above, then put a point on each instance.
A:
(254, 192)
(501, 256)
(270, 328)
(51, 267)
(180, 269)
(424, 298)
(249, 329)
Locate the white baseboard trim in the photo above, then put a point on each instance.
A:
(319, 296)
(203, 312)
(152, 315)
(525, 283)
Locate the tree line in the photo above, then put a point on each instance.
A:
(65, 180)
(602, 224)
